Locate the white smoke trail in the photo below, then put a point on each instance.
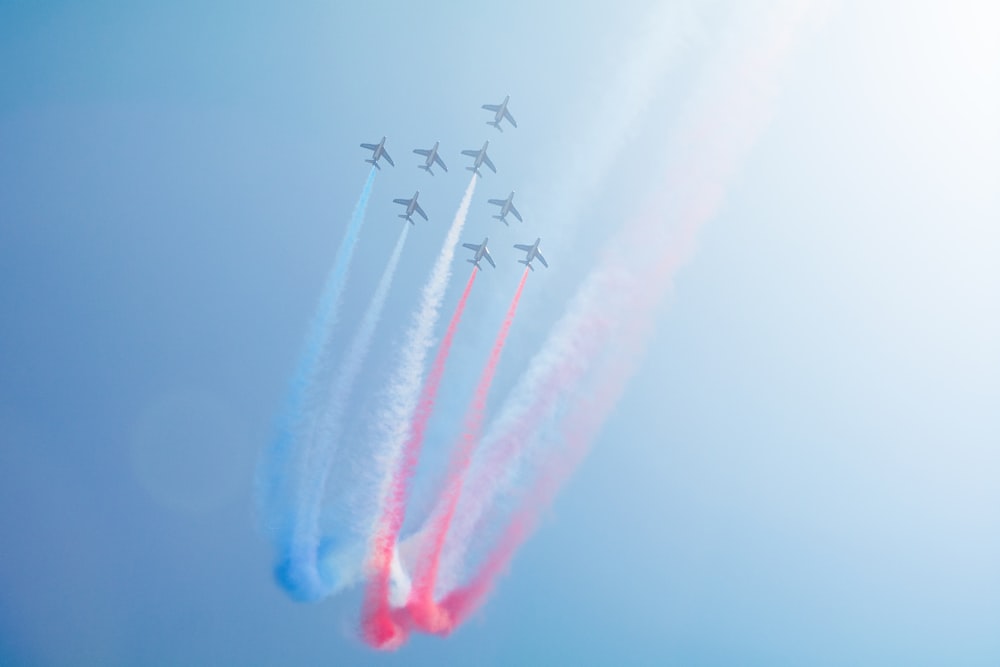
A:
(403, 389)
(318, 575)
(722, 122)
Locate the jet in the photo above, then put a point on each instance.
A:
(411, 206)
(481, 158)
(501, 113)
(482, 252)
(432, 157)
(533, 254)
(506, 206)
(378, 150)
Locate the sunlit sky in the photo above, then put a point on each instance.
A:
(802, 472)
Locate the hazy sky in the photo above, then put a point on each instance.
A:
(803, 472)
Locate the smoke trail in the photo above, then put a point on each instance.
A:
(303, 571)
(422, 608)
(278, 471)
(399, 422)
(694, 193)
(380, 628)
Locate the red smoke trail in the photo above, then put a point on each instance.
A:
(580, 426)
(702, 180)
(381, 628)
(424, 612)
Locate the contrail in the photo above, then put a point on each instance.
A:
(401, 424)
(380, 628)
(422, 609)
(278, 473)
(611, 331)
(304, 572)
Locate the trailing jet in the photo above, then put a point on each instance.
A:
(432, 156)
(482, 252)
(481, 159)
(411, 206)
(533, 254)
(378, 150)
(501, 113)
(506, 206)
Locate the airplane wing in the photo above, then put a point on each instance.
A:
(437, 158)
(422, 214)
(498, 202)
(488, 162)
(404, 202)
(486, 254)
(516, 214)
(470, 246)
(471, 153)
(387, 158)
(422, 151)
(369, 147)
(492, 107)
(523, 248)
(541, 259)
(506, 114)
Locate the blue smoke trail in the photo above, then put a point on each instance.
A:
(309, 569)
(277, 473)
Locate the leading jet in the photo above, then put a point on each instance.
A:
(482, 252)
(378, 150)
(481, 159)
(411, 207)
(506, 206)
(432, 156)
(533, 254)
(501, 113)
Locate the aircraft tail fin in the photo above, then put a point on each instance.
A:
(374, 164)
(425, 168)
(526, 263)
(494, 124)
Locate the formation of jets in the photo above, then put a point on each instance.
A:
(432, 158)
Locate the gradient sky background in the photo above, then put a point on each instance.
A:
(804, 472)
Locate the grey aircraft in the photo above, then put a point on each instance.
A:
(411, 207)
(533, 254)
(501, 113)
(506, 206)
(432, 156)
(481, 159)
(378, 150)
(482, 252)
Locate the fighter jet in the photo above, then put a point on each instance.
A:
(411, 206)
(378, 150)
(482, 252)
(533, 254)
(506, 206)
(432, 157)
(501, 113)
(481, 158)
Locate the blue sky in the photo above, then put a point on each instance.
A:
(802, 472)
